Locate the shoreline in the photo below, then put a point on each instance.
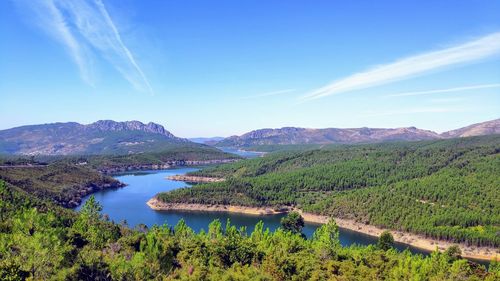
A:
(194, 179)
(157, 205)
(414, 240)
(114, 169)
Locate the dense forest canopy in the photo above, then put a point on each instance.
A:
(445, 189)
(41, 241)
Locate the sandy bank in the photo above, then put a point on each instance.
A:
(155, 204)
(415, 240)
(418, 241)
(194, 179)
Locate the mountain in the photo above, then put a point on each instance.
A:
(101, 137)
(208, 141)
(293, 135)
(479, 129)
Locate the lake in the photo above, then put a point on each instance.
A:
(129, 204)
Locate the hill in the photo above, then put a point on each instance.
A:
(444, 189)
(480, 129)
(101, 137)
(61, 183)
(292, 135)
(304, 136)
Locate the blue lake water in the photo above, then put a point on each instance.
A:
(129, 203)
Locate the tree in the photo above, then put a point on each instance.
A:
(92, 209)
(5, 199)
(326, 239)
(385, 241)
(293, 222)
(453, 252)
(90, 226)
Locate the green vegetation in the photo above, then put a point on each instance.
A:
(385, 241)
(66, 179)
(293, 222)
(41, 241)
(446, 189)
(64, 184)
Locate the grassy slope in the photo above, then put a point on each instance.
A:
(445, 189)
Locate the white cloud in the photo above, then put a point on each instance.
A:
(82, 25)
(448, 90)
(408, 67)
(268, 94)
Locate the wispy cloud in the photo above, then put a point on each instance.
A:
(85, 25)
(268, 94)
(408, 67)
(416, 110)
(448, 90)
(446, 100)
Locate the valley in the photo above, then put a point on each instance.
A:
(440, 190)
(432, 195)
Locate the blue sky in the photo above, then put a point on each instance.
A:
(207, 68)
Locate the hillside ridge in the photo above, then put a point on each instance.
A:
(100, 137)
(298, 135)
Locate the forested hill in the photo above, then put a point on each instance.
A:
(446, 189)
(102, 137)
(61, 183)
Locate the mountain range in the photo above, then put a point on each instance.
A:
(111, 137)
(101, 137)
(294, 135)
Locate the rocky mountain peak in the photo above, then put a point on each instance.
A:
(110, 125)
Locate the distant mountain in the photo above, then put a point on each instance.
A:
(480, 129)
(208, 141)
(101, 137)
(293, 135)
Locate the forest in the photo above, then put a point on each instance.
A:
(59, 182)
(42, 241)
(443, 189)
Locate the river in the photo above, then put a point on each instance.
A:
(129, 204)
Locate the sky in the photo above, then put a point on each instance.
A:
(224, 67)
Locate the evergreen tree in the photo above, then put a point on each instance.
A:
(385, 241)
(293, 222)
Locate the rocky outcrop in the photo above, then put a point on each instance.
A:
(110, 125)
(101, 137)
